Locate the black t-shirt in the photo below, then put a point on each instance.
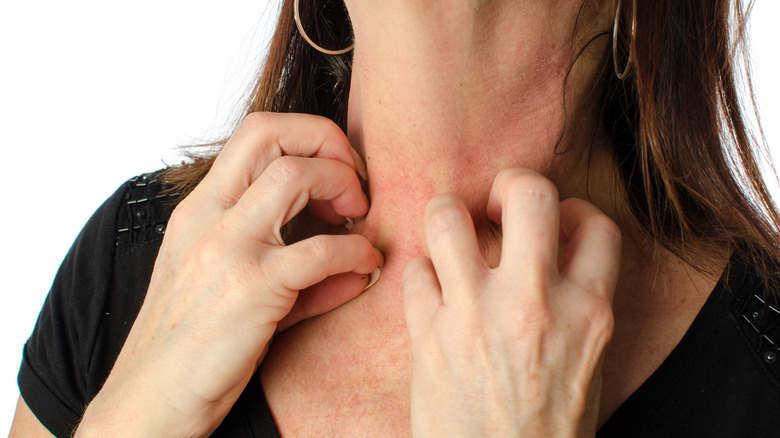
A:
(720, 381)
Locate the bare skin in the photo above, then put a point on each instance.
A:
(445, 96)
(473, 104)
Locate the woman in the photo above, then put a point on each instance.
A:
(479, 130)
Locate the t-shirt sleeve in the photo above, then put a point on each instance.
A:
(54, 378)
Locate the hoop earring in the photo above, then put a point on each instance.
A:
(312, 43)
(621, 75)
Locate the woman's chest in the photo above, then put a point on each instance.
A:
(345, 373)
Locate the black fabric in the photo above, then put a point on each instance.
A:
(720, 381)
(715, 383)
(92, 305)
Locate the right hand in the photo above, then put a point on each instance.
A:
(224, 282)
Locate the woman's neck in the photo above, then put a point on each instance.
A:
(446, 94)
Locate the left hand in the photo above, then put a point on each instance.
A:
(513, 350)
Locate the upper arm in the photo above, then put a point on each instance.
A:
(90, 308)
(25, 423)
(56, 377)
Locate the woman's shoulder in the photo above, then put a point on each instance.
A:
(93, 302)
(723, 378)
(143, 206)
(140, 210)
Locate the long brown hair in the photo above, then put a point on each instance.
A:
(688, 160)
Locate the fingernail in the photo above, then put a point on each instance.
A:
(360, 166)
(349, 223)
(372, 278)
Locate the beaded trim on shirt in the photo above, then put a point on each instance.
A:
(763, 320)
(144, 215)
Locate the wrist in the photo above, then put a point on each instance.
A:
(137, 413)
(121, 420)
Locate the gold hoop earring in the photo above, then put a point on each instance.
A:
(622, 75)
(312, 43)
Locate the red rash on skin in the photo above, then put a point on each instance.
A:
(472, 98)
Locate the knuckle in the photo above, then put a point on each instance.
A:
(527, 329)
(321, 247)
(210, 252)
(180, 217)
(286, 169)
(445, 213)
(606, 227)
(601, 320)
(256, 120)
(415, 273)
(530, 313)
(357, 245)
(330, 128)
(360, 244)
(530, 186)
(601, 284)
(537, 317)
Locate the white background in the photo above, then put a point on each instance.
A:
(94, 92)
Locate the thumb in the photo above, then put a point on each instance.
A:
(327, 295)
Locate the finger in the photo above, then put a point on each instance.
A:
(263, 137)
(422, 295)
(310, 261)
(592, 256)
(528, 203)
(287, 186)
(323, 211)
(325, 296)
(452, 244)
